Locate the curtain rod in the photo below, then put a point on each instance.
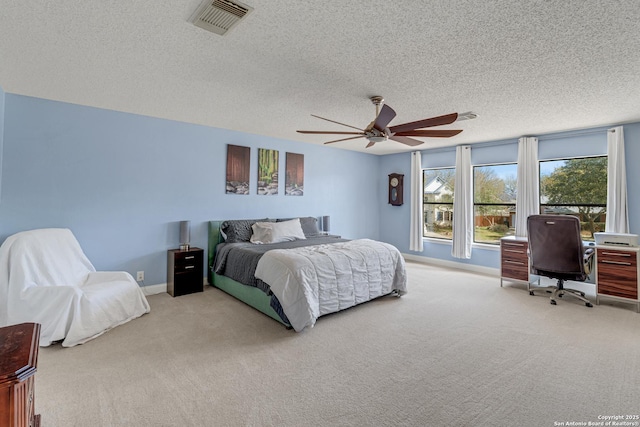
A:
(573, 133)
(543, 137)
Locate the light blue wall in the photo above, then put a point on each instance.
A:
(632, 156)
(2, 96)
(395, 220)
(122, 182)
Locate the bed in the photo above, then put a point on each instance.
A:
(296, 280)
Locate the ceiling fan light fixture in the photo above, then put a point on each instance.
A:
(469, 115)
(377, 138)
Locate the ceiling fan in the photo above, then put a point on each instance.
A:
(378, 130)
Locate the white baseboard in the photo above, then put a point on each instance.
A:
(161, 288)
(154, 289)
(452, 264)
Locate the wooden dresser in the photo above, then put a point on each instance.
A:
(18, 362)
(617, 274)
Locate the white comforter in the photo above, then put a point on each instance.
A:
(316, 280)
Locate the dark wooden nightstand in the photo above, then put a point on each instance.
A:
(19, 346)
(184, 271)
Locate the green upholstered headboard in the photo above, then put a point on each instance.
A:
(215, 237)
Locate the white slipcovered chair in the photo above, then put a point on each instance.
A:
(46, 278)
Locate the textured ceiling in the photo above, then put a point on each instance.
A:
(525, 67)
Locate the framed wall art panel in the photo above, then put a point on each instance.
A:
(238, 172)
(267, 171)
(294, 180)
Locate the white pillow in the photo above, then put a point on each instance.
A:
(261, 232)
(274, 232)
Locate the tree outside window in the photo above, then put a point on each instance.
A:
(438, 185)
(494, 201)
(576, 187)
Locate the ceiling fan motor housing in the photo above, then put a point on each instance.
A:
(374, 135)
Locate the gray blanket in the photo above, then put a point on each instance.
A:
(238, 261)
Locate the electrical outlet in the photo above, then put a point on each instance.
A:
(140, 276)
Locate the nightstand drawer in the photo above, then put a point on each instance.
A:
(185, 267)
(185, 257)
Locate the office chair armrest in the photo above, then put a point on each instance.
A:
(589, 253)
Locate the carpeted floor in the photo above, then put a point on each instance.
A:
(457, 350)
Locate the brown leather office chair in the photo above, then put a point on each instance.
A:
(556, 251)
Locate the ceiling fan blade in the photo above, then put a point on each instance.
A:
(344, 139)
(370, 144)
(407, 141)
(432, 133)
(433, 121)
(329, 132)
(333, 121)
(384, 118)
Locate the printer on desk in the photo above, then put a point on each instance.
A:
(616, 239)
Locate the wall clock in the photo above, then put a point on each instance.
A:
(395, 189)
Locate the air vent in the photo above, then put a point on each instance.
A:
(219, 16)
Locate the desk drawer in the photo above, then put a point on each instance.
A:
(514, 250)
(515, 269)
(617, 273)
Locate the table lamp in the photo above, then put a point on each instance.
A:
(185, 235)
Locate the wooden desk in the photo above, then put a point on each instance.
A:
(617, 273)
(18, 360)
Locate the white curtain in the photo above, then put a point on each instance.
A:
(528, 191)
(463, 204)
(617, 211)
(415, 240)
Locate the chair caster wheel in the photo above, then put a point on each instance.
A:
(553, 302)
(588, 304)
(531, 293)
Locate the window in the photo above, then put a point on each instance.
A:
(576, 187)
(438, 202)
(494, 201)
